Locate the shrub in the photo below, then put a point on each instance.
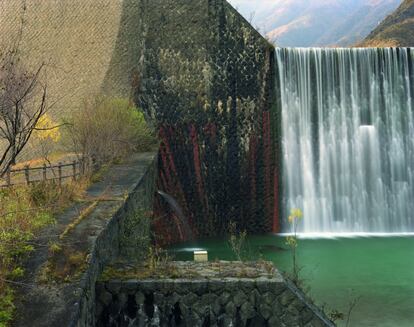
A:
(108, 129)
(46, 137)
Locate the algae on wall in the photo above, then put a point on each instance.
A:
(206, 77)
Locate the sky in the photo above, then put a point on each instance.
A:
(252, 4)
(250, 9)
(291, 21)
(244, 5)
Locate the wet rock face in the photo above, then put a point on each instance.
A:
(261, 301)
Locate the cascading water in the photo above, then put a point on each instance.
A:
(348, 138)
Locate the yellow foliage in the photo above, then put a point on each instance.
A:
(295, 214)
(46, 129)
(291, 241)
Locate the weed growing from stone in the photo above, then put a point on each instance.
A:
(292, 242)
(237, 240)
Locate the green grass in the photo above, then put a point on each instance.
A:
(24, 211)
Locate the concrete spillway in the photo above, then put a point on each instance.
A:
(348, 138)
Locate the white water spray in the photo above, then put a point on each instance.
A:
(348, 138)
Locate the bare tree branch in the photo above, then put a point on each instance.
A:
(22, 104)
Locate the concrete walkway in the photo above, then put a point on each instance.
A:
(43, 299)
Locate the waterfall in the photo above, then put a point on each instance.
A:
(348, 138)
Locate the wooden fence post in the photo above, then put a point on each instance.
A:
(44, 172)
(88, 164)
(60, 173)
(27, 174)
(74, 169)
(8, 177)
(82, 165)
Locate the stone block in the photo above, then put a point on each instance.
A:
(173, 298)
(275, 321)
(189, 299)
(208, 299)
(298, 304)
(263, 284)
(266, 311)
(217, 307)
(139, 298)
(247, 311)
(278, 288)
(230, 309)
(268, 298)
(239, 298)
(159, 298)
(217, 286)
(105, 297)
(232, 285)
(291, 320)
(114, 286)
(278, 308)
(286, 297)
(225, 298)
(255, 297)
(307, 315)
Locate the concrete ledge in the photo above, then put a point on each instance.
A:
(110, 243)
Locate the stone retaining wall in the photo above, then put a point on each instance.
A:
(123, 231)
(263, 300)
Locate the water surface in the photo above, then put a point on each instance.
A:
(379, 270)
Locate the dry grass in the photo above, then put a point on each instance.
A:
(53, 158)
(64, 266)
(378, 43)
(24, 211)
(396, 30)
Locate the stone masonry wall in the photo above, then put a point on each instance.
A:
(128, 229)
(206, 79)
(256, 301)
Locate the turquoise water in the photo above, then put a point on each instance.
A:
(377, 270)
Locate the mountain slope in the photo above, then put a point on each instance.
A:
(303, 23)
(396, 30)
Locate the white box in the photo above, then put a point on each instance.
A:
(200, 256)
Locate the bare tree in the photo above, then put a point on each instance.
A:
(22, 103)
